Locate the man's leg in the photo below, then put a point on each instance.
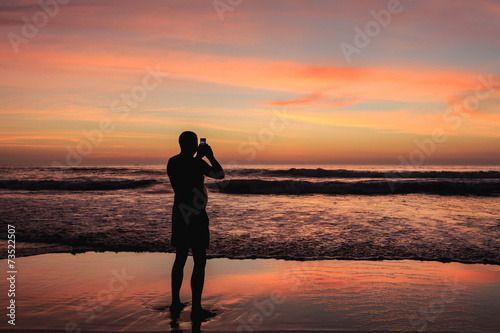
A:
(198, 277)
(198, 314)
(181, 254)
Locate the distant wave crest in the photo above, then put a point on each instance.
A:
(442, 187)
(342, 173)
(75, 185)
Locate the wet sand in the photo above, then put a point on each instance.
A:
(131, 292)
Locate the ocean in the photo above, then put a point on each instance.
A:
(371, 212)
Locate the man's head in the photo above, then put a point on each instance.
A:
(188, 142)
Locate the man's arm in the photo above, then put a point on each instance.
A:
(171, 173)
(215, 170)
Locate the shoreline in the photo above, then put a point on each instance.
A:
(226, 331)
(261, 295)
(229, 331)
(69, 249)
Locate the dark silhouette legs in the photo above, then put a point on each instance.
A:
(181, 254)
(197, 282)
(177, 275)
(198, 277)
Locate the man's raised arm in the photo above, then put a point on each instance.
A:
(215, 170)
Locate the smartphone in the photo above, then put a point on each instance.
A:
(203, 141)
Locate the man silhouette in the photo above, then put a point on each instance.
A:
(189, 218)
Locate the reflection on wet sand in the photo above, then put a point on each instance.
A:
(130, 292)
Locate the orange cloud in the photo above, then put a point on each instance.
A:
(66, 77)
(363, 82)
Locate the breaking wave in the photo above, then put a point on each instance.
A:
(441, 187)
(342, 173)
(75, 185)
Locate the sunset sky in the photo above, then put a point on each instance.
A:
(262, 80)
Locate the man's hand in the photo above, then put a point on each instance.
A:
(208, 151)
(204, 150)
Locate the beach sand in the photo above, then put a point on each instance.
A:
(131, 292)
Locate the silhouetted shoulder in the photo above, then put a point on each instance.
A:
(179, 163)
(186, 173)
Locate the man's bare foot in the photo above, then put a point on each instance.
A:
(201, 314)
(176, 308)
